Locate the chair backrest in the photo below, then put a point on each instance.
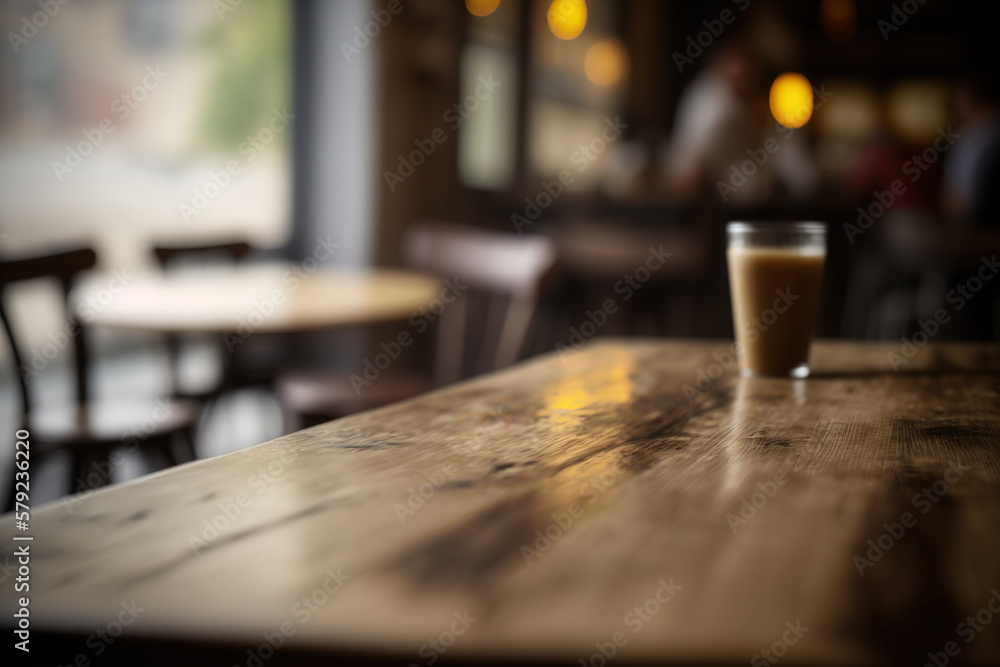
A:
(172, 255)
(167, 254)
(64, 266)
(512, 269)
(607, 251)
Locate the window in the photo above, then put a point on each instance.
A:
(129, 123)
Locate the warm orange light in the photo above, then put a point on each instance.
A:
(482, 7)
(569, 402)
(791, 100)
(605, 62)
(917, 109)
(838, 18)
(852, 115)
(567, 18)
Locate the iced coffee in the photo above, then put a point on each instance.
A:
(775, 273)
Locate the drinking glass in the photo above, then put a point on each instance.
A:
(775, 272)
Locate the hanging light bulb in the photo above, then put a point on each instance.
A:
(482, 7)
(791, 100)
(567, 18)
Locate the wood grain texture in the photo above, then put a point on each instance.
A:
(636, 485)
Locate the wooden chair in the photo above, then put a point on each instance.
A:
(233, 374)
(903, 275)
(89, 431)
(169, 254)
(509, 271)
(594, 256)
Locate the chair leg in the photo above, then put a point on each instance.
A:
(9, 500)
(514, 330)
(89, 471)
(186, 444)
(291, 421)
(176, 448)
(164, 446)
(77, 470)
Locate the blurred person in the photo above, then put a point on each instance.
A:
(883, 161)
(972, 166)
(969, 197)
(722, 121)
(909, 259)
(895, 200)
(893, 278)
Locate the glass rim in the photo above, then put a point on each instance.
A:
(776, 226)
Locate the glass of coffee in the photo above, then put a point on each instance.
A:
(775, 271)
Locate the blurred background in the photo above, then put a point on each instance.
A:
(555, 156)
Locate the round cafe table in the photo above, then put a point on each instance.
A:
(250, 298)
(239, 302)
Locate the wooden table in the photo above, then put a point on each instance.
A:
(251, 298)
(562, 508)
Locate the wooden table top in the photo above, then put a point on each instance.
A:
(565, 507)
(264, 297)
